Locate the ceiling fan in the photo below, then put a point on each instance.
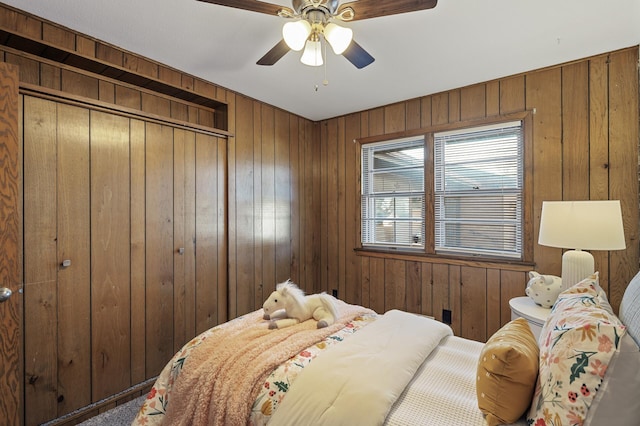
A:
(312, 21)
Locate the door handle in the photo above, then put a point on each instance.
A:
(5, 293)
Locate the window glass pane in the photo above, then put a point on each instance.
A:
(393, 194)
(478, 190)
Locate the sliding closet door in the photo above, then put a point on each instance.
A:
(114, 209)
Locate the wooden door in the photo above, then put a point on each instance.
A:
(10, 261)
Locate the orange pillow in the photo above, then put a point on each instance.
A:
(507, 373)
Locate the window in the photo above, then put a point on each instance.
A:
(476, 187)
(478, 190)
(393, 194)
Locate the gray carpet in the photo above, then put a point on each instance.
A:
(122, 415)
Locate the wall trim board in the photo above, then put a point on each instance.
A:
(56, 95)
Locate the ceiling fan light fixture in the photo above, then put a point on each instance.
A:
(296, 33)
(338, 37)
(312, 54)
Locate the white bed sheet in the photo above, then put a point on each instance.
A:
(443, 391)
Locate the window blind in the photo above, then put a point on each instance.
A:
(478, 190)
(393, 194)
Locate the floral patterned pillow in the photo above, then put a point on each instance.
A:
(577, 344)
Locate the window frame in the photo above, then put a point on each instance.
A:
(429, 181)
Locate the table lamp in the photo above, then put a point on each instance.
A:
(581, 225)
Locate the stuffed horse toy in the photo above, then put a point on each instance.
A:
(289, 300)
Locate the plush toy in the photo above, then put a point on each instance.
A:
(288, 306)
(543, 289)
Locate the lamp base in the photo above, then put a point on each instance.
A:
(576, 266)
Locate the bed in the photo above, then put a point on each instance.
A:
(399, 368)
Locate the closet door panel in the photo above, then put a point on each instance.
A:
(159, 257)
(184, 236)
(74, 286)
(40, 260)
(110, 256)
(190, 234)
(178, 240)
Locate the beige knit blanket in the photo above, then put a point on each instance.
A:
(221, 377)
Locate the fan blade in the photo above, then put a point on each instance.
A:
(357, 55)
(366, 9)
(252, 5)
(275, 54)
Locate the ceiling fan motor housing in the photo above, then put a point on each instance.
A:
(302, 7)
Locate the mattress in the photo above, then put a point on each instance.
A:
(443, 391)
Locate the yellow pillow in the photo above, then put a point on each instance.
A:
(507, 373)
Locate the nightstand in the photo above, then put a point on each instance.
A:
(526, 308)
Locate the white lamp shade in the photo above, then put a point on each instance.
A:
(578, 225)
(584, 225)
(338, 37)
(312, 54)
(296, 33)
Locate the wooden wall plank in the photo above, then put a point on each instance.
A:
(575, 131)
(353, 285)
(244, 207)
(512, 284)
(513, 95)
(268, 198)
(282, 196)
(494, 289)
(74, 282)
(455, 298)
(492, 98)
(261, 292)
(394, 118)
(295, 205)
(330, 195)
(440, 108)
(426, 297)
(376, 284)
(221, 229)
(440, 274)
(543, 93)
(395, 284)
(80, 84)
(313, 258)
(599, 148)
(473, 296)
(110, 257)
(413, 290)
(473, 102)
(623, 166)
(342, 216)
(207, 261)
(413, 114)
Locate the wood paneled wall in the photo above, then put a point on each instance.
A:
(585, 146)
(291, 198)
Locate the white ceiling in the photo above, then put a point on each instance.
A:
(459, 42)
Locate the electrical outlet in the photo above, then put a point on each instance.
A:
(446, 316)
(334, 292)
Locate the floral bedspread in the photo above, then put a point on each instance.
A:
(274, 389)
